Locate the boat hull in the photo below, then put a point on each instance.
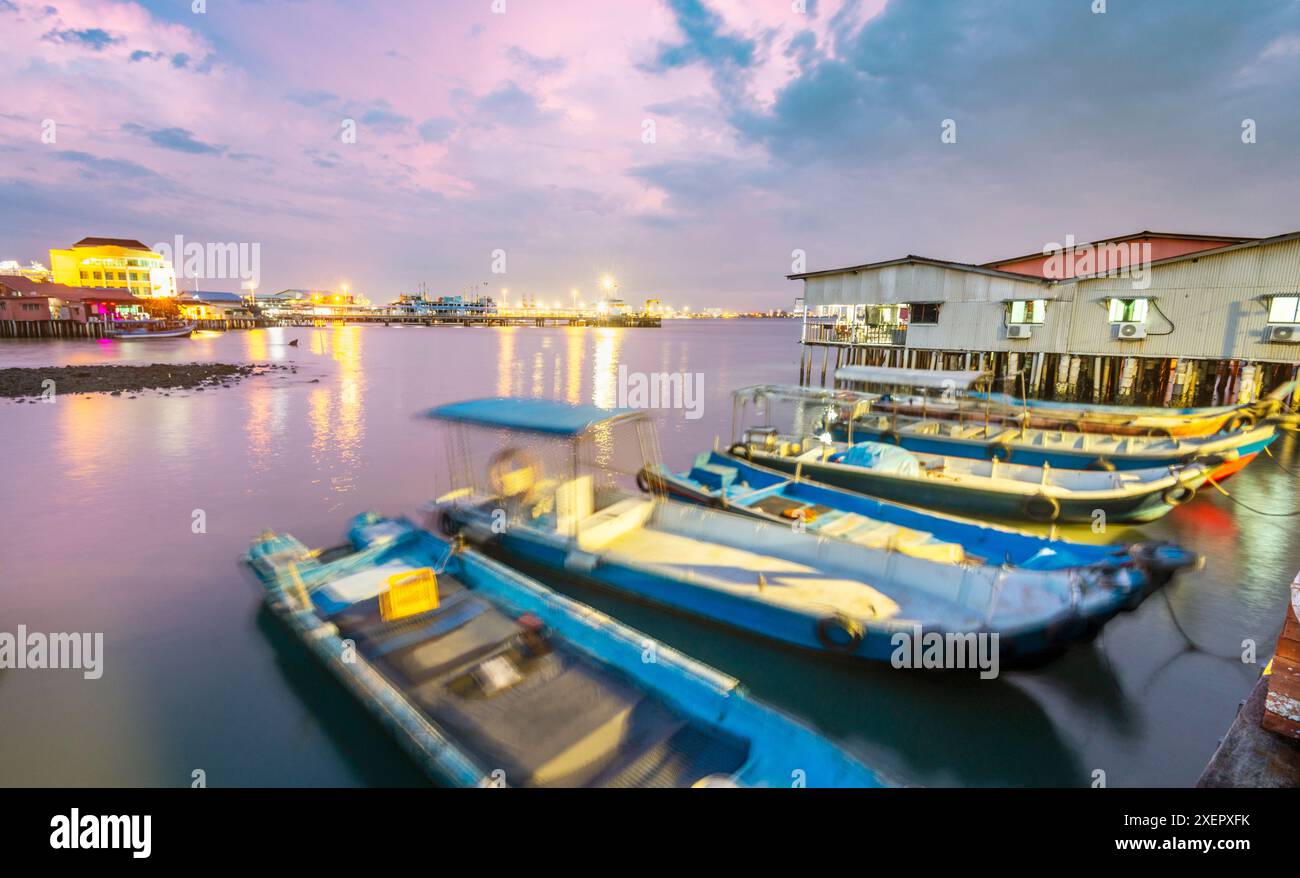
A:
(775, 745)
(1245, 445)
(964, 498)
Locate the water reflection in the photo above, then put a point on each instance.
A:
(604, 376)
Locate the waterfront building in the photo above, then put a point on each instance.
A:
(114, 263)
(205, 305)
(35, 309)
(1149, 317)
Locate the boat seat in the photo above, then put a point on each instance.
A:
(612, 522)
(882, 535)
(564, 723)
(485, 633)
(714, 476)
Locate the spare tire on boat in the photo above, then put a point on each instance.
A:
(839, 633)
(1042, 508)
(1000, 450)
(1177, 495)
(892, 437)
(643, 479)
(1101, 464)
(740, 450)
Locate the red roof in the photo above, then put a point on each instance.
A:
(17, 285)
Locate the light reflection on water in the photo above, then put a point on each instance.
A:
(196, 677)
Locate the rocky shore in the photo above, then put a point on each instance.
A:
(116, 380)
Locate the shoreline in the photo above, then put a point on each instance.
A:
(23, 383)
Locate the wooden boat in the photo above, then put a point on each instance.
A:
(739, 486)
(487, 678)
(552, 485)
(964, 485)
(966, 398)
(849, 416)
(151, 330)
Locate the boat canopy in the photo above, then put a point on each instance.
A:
(937, 378)
(529, 415)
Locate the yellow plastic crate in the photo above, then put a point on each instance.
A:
(409, 594)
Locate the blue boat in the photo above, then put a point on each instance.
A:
(725, 482)
(850, 416)
(494, 680)
(556, 485)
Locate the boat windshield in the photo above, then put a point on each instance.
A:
(548, 480)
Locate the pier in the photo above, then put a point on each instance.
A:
(508, 318)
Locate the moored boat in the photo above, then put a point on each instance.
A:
(150, 329)
(740, 486)
(553, 485)
(1009, 491)
(487, 678)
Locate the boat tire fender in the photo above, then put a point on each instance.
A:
(1000, 451)
(1101, 464)
(740, 450)
(643, 480)
(839, 633)
(1042, 508)
(892, 437)
(1177, 495)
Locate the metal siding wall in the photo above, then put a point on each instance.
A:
(1211, 301)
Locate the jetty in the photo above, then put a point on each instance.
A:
(1262, 746)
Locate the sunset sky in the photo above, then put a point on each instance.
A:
(774, 130)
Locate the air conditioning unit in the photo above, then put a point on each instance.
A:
(1129, 331)
(1282, 333)
(1019, 330)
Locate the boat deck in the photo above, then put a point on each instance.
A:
(535, 709)
(738, 571)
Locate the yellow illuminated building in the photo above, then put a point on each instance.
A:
(114, 263)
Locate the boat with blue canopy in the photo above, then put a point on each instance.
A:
(739, 486)
(560, 487)
(487, 678)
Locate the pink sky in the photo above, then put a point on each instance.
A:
(775, 130)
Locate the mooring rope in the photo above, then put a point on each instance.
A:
(1279, 463)
(1246, 505)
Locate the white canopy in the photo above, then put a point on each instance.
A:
(937, 378)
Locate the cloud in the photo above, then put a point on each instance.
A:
(704, 40)
(119, 169)
(176, 139)
(142, 55)
(94, 38)
(437, 129)
(510, 106)
(534, 63)
(315, 98)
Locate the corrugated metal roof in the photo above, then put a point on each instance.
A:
(919, 260)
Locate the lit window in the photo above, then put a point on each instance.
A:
(1128, 310)
(1026, 311)
(1284, 309)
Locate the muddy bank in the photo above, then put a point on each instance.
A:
(116, 380)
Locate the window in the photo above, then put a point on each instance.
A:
(1026, 311)
(1284, 309)
(925, 313)
(1128, 310)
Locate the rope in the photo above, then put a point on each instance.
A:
(1245, 505)
(1279, 463)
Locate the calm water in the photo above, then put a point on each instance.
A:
(99, 493)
